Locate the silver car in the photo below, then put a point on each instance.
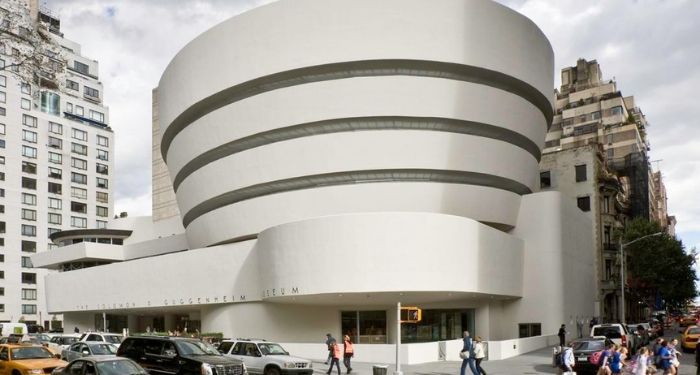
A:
(84, 349)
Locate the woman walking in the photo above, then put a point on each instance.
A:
(479, 354)
(348, 352)
(642, 361)
(335, 360)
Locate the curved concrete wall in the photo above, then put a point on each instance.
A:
(300, 97)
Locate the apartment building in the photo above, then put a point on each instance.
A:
(596, 153)
(56, 156)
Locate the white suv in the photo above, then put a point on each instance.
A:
(263, 357)
(110, 338)
(616, 332)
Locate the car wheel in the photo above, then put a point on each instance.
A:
(272, 371)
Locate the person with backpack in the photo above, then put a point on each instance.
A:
(566, 360)
(604, 360)
(335, 357)
(664, 359)
(617, 360)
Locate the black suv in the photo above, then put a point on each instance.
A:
(182, 356)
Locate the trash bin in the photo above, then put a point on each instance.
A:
(379, 370)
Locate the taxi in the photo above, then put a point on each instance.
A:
(27, 359)
(689, 338)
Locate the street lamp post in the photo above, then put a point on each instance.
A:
(622, 272)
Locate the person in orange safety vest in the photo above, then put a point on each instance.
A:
(335, 350)
(348, 352)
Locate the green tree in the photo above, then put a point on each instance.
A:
(659, 265)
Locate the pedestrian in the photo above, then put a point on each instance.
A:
(593, 322)
(348, 352)
(665, 359)
(76, 330)
(675, 363)
(335, 357)
(697, 359)
(567, 359)
(642, 360)
(479, 354)
(579, 326)
(604, 360)
(562, 334)
(617, 360)
(329, 341)
(655, 351)
(467, 354)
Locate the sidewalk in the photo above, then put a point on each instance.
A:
(537, 362)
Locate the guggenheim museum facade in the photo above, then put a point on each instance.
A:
(315, 162)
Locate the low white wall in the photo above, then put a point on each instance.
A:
(423, 352)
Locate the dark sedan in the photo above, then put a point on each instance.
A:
(101, 366)
(583, 348)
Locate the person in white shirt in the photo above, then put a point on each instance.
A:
(479, 354)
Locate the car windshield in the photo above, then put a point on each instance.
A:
(588, 345)
(693, 331)
(196, 348)
(69, 340)
(272, 349)
(103, 349)
(609, 332)
(30, 352)
(119, 367)
(113, 339)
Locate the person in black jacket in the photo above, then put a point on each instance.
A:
(562, 335)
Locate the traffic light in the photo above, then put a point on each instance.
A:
(411, 315)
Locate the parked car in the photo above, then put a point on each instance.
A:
(58, 343)
(263, 357)
(101, 366)
(110, 338)
(85, 349)
(689, 338)
(614, 331)
(175, 355)
(27, 359)
(583, 349)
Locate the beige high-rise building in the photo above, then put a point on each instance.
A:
(596, 152)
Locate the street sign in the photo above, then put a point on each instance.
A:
(411, 315)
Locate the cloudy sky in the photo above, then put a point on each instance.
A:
(651, 47)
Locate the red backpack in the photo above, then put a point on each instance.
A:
(595, 358)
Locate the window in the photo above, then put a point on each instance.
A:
(2, 176)
(584, 203)
(529, 329)
(29, 152)
(102, 211)
(3, 97)
(101, 169)
(28, 214)
(2, 258)
(28, 167)
(2, 143)
(55, 203)
(69, 107)
(78, 222)
(50, 103)
(27, 263)
(2, 227)
(606, 204)
(55, 158)
(29, 309)
(3, 81)
(595, 115)
(97, 116)
(29, 230)
(26, 89)
(102, 197)
(371, 324)
(72, 85)
(102, 141)
(2, 160)
(29, 294)
(55, 188)
(608, 269)
(78, 193)
(2, 192)
(102, 155)
(2, 291)
(2, 128)
(29, 183)
(55, 173)
(616, 110)
(78, 163)
(101, 224)
(55, 142)
(29, 246)
(81, 68)
(26, 104)
(55, 128)
(78, 207)
(581, 173)
(29, 121)
(29, 136)
(78, 178)
(3, 111)
(89, 91)
(102, 183)
(79, 134)
(53, 230)
(545, 179)
(607, 239)
(79, 149)
(55, 218)
(79, 110)
(29, 199)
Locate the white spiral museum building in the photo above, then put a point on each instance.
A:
(332, 158)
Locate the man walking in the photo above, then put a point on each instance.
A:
(562, 335)
(468, 357)
(329, 340)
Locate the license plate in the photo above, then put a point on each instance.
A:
(584, 358)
